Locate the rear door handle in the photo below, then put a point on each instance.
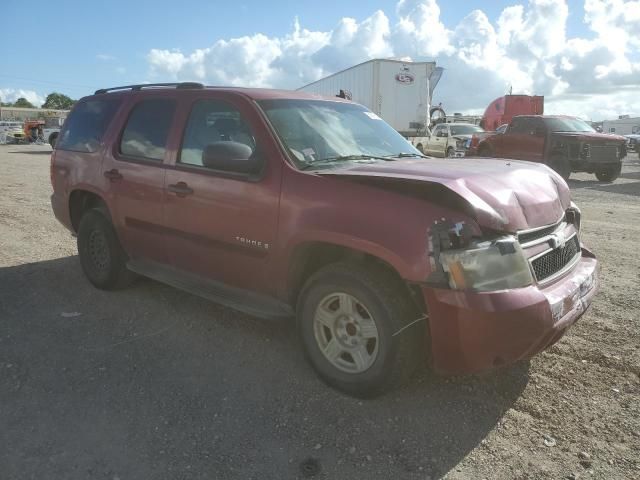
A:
(181, 189)
(113, 175)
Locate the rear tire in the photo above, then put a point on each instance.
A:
(485, 151)
(420, 148)
(561, 165)
(609, 174)
(53, 138)
(350, 320)
(102, 258)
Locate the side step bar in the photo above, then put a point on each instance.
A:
(255, 304)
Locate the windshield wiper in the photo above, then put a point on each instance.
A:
(341, 158)
(406, 155)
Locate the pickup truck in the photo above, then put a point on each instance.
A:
(287, 204)
(448, 140)
(566, 144)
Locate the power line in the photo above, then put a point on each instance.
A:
(31, 80)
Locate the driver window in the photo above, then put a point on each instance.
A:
(213, 121)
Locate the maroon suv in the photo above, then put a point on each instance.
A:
(285, 204)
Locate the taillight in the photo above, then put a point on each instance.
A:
(51, 166)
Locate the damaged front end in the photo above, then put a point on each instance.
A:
(466, 263)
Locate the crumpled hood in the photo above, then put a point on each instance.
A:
(462, 137)
(506, 195)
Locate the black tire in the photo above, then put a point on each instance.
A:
(53, 138)
(609, 174)
(400, 334)
(450, 152)
(102, 258)
(420, 148)
(561, 165)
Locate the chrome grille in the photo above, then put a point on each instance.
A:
(528, 236)
(547, 265)
(604, 152)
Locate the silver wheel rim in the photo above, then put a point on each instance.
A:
(346, 333)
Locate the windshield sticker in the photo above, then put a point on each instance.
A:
(372, 116)
(309, 153)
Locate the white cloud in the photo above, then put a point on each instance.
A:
(105, 57)
(12, 94)
(526, 48)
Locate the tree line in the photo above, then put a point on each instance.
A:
(55, 100)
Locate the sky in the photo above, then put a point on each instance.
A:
(582, 55)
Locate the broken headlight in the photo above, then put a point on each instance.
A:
(574, 216)
(487, 265)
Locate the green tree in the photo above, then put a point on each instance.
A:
(22, 103)
(58, 101)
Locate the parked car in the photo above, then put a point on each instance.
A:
(284, 204)
(450, 139)
(633, 142)
(12, 131)
(566, 144)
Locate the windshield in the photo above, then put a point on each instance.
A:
(320, 133)
(465, 129)
(568, 125)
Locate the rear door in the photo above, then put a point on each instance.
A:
(524, 140)
(135, 171)
(510, 144)
(221, 225)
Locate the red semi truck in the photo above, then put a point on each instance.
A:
(502, 110)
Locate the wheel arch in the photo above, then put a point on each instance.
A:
(309, 257)
(82, 200)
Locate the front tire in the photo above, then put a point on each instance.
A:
(561, 165)
(359, 329)
(53, 138)
(609, 174)
(450, 152)
(102, 258)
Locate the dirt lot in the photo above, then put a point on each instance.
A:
(152, 382)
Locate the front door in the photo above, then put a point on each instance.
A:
(221, 225)
(438, 141)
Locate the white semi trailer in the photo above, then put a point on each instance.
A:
(399, 92)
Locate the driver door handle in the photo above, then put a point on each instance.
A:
(113, 175)
(181, 189)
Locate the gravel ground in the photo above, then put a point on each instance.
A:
(152, 382)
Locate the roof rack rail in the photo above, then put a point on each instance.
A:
(181, 85)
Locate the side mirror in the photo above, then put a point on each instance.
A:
(230, 157)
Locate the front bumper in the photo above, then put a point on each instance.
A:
(475, 331)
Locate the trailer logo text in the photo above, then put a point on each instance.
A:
(405, 78)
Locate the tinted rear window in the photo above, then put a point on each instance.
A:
(86, 125)
(147, 129)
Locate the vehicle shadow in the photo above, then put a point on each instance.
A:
(150, 379)
(630, 175)
(626, 188)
